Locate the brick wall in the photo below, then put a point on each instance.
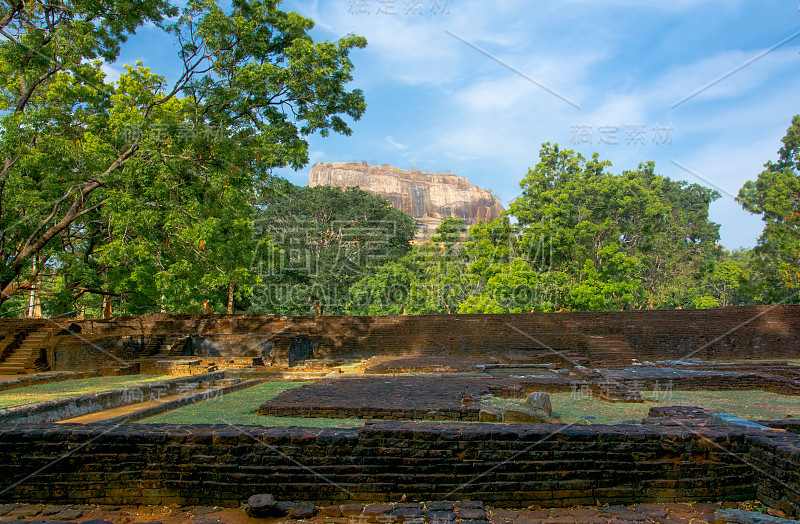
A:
(724, 334)
(776, 462)
(504, 465)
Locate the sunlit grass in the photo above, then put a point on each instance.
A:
(240, 407)
(71, 388)
(752, 405)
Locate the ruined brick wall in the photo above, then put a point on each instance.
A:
(503, 465)
(776, 461)
(731, 333)
(65, 408)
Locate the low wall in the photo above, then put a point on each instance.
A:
(504, 465)
(732, 333)
(67, 408)
(709, 381)
(776, 462)
(45, 378)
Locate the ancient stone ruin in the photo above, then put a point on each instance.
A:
(451, 410)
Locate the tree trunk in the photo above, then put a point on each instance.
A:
(107, 307)
(34, 306)
(230, 298)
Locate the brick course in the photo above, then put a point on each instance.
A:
(505, 465)
(724, 334)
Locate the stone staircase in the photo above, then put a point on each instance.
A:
(153, 346)
(165, 346)
(176, 346)
(610, 348)
(26, 358)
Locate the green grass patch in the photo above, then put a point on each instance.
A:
(240, 408)
(752, 405)
(71, 388)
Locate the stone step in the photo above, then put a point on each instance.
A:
(12, 361)
(14, 370)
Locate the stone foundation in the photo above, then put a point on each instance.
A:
(723, 334)
(504, 465)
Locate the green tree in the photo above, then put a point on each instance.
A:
(572, 212)
(144, 187)
(612, 286)
(328, 238)
(775, 195)
(449, 232)
(579, 237)
(432, 278)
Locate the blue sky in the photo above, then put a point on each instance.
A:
(476, 87)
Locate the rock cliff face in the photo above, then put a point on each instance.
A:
(428, 197)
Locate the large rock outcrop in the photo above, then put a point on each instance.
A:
(428, 197)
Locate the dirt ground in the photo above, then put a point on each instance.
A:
(672, 513)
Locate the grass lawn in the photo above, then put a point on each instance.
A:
(71, 388)
(240, 408)
(752, 405)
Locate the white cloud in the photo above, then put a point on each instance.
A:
(112, 71)
(395, 143)
(726, 75)
(455, 105)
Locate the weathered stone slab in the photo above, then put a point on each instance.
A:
(540, 401)
(261, 505)
(739, 516)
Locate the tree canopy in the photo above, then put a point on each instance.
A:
(146, 187)
(775, 195)
(580, 237)
(317, 241)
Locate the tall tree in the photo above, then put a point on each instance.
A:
(589, 217)
(775, 195)
(144, 186)
(326, 238)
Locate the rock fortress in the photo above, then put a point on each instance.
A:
(429, 198)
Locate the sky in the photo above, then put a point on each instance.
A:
(704, 88)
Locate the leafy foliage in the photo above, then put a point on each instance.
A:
(579, 237)
(775, 195)
(326, 239)
(141, 187)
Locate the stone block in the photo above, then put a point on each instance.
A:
(261, 505)
(439, 505)
(301, 510)
(471, 514)
(441, 516)
(407, 514)
(352, 510)
(524, 416)
(377, 512)
(488, 414)
(539, 401)
(738, 516)
(331, 512)
(68, 514)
